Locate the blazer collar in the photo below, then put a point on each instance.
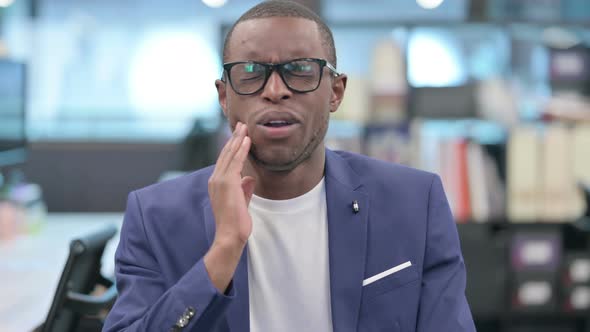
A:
(347, 240)
(339, 169)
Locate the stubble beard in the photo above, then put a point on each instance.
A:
(297, 159)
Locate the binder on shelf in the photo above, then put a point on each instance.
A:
(581, 164)
(470, 178)
(523, 174)
(478, 189)
(559, 186)
(355, 104)
(389, 83)
(455, 177)
(463, 203)
(495, 189)
(449, 175)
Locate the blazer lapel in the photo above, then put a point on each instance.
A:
(238, 312)
(347, 233)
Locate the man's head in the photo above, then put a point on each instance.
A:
(274, 8)
(286, 108)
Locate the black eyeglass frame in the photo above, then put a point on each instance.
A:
(278, 67)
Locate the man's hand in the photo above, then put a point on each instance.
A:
(230, 195)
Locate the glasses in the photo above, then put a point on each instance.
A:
(299, 75)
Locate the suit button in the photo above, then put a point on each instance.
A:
(182, 322)
(190, 312)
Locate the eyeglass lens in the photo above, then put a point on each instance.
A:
(299, 75)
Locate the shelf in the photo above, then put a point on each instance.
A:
(454, 23)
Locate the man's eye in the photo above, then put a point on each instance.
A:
(251, 77)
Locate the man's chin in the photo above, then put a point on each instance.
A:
(275, 163)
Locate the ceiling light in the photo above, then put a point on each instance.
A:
(211, 3)
(6, 3)
(429, 4)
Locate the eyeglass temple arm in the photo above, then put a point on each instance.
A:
(329, 65)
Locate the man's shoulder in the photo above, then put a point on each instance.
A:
(193, 185)
(368, 169)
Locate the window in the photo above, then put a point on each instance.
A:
(119, 70)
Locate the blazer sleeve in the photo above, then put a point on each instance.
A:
(443, 305)
(144, 301)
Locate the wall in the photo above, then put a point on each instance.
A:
(80, 177)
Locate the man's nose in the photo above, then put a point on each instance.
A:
(275, 89)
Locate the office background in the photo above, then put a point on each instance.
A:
(98, 98)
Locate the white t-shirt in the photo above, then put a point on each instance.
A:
(288, 268)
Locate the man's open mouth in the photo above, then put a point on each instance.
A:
(277, 123)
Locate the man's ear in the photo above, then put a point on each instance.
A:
(222, 95)
(338, 87)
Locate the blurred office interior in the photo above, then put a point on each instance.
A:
(98, 98)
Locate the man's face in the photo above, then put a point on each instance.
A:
(286, 127)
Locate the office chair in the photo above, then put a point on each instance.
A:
(73, 306)
(583, 223)
(586, 189)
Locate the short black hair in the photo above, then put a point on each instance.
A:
(282, 8)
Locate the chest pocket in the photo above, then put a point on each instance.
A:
(390, 303)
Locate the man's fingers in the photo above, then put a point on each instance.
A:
(237, 163)
(235, 148)
(223, 154)
(248, 184)
(229, 150)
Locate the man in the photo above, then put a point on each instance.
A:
(283, 234)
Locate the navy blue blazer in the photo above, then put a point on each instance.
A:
(403, 216)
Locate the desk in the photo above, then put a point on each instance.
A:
(30, 266)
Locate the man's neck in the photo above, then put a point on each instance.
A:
(288, 184)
